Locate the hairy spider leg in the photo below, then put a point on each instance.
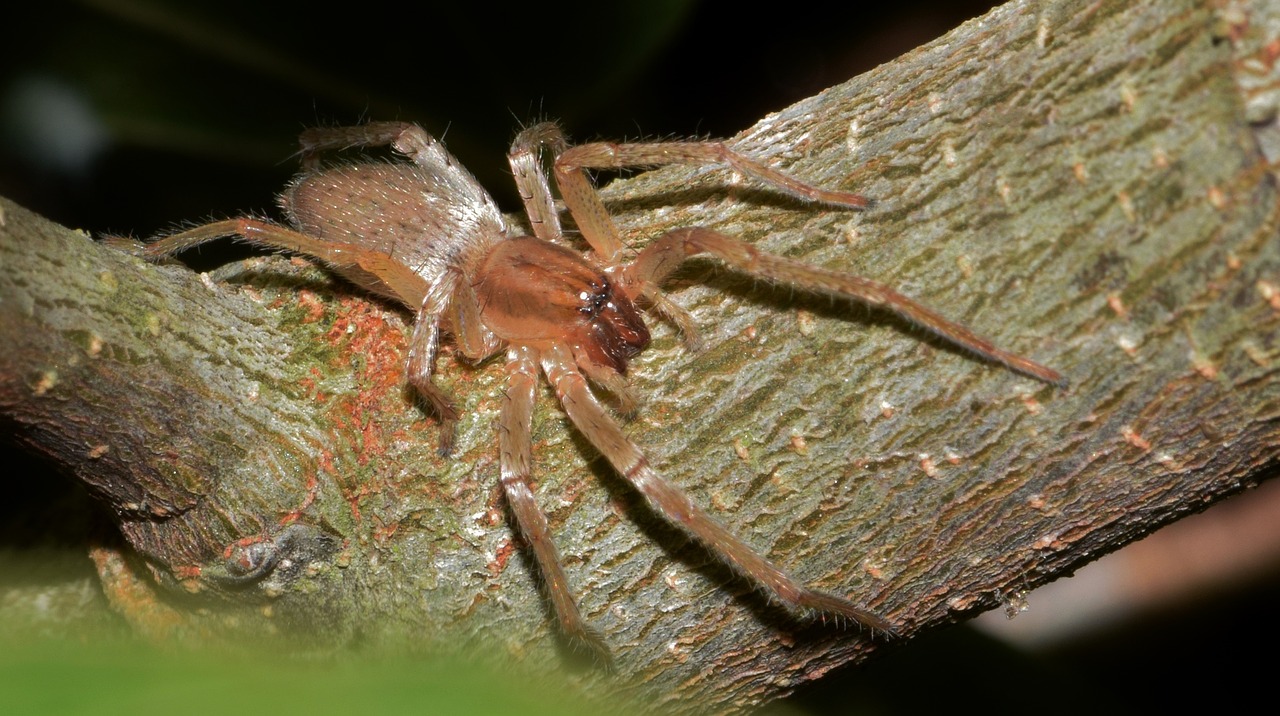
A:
(408, 139)
(657, 260)
(593, 219)
(525, 158)
(424, 347)
(371, 270)
(669, 501)
(516, 457)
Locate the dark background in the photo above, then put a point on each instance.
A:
(131, 116)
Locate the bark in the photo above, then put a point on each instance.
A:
(1086, 183)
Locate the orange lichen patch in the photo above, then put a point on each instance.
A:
(313, 307)
(501, 556)
(1133, 438)
(927, 464)
(1270, 293)
(312, 386)
(1126, 205)
(1271, 52)
(368, 340)
(1205, 368)
(1117, 306)
(1032, 405)
(190, 571)
(887, 409)
(324, 461)
(313, 484)
(362, 328)
(1004, 190)
(1160, 157)
(238, 546)
(1217, 198)
(383, 533)
(353, 498)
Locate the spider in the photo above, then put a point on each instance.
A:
(421, 230)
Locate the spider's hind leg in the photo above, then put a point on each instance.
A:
(673, 505)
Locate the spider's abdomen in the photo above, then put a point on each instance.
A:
(424, 218)
(532, 291)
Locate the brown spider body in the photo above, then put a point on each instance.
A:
(425, 233)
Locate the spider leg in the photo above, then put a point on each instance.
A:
(589, 210)
(660, 258)
(615, 383)
(424, 346)
(473, 338)
(370, 269)
(515, 446)
(669, 310)
(405, 137)
(531, 178)
(594, 421)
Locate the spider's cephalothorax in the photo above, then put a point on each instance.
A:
(424, 233)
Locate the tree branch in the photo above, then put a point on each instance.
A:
(1079, 181)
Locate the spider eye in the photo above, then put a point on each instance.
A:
(596, 300)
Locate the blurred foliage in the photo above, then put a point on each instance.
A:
(105, 672)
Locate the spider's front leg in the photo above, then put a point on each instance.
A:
(594, 220)
(660, 258)
(670, 502)
(515, 446)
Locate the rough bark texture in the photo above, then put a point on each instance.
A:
(1086, 183)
